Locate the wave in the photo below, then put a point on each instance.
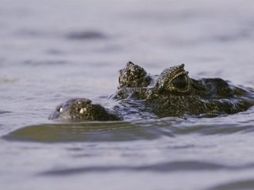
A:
(86, 35)
(168, 167)
(244, 184)
(128, 131)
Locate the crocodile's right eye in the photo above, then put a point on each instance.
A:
(180, 82)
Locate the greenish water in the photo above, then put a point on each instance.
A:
(54, 50)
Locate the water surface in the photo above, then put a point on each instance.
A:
(53, 50)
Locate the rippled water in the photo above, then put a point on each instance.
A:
(53, 50)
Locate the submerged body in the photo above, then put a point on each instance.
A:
(172, 93)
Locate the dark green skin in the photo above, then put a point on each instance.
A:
(133, 76)
(82, 109)
(172, 93)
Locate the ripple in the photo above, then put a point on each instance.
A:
(127, 131)
(86, 35)
(166, 167)
(245, 184)
(204, 126)
(4, 112)
(221, 129)
(44, 62)
(81, 132)
(4, 80)
(30, 33)
(240, 35)
(164, 16)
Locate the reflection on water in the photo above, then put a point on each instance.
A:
(81, 132)
(128, 131)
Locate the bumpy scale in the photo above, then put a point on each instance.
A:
(172, 93)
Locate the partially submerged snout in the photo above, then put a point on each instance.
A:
(81, 109)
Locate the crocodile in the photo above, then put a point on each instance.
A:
(173, 93)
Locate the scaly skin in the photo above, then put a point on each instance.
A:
(172, 93)
(82, 109)
(133, 76)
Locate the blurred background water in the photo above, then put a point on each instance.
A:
(52, 50)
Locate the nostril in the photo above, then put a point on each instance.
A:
(82, 110)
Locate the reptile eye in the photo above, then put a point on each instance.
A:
(180, 82)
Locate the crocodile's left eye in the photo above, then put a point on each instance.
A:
(180, 82)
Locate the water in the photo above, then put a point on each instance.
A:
(53, 50)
